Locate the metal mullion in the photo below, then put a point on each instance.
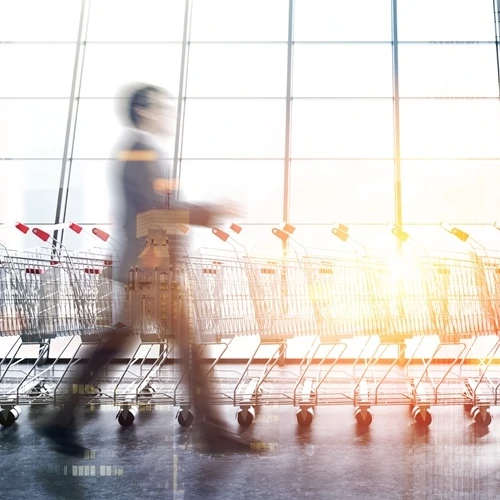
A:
(276, 159)
(181, 101)
(496, 14)
(62, 199)
(398, 210)
(276, 98)
(237, 42)
(257, 42)
(288, 118)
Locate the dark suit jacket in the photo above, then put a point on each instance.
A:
(140, 163)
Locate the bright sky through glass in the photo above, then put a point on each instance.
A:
(342, 139)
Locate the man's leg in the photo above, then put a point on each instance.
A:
(112, 345)
(214, 432)
(191, 367)
(61, 428)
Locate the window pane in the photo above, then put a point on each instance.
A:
(32, 20)
(319, 238)
(450, 129)
(234, 129)
(123, 63)
(342, 70)
(448, 191)
(29, 190)
(144, 20)
(448, 70)
(344, 191)
(237, 70)
(37, 70)
(99, 128)
(436, 237)
(93, 195)
(342, 20)
(239, 20)
(455, 20)
(33, 128)
(342, 128)
(256, 185)
(253, 238)
(12, 202)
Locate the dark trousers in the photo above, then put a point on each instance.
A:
(115, 344)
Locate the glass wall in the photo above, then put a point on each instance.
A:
(450, 115)
(59, 126)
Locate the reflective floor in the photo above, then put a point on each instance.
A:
(333, 459)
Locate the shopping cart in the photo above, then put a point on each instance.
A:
(386, 328)
(52, 293)
(430, 311)
(367, 304)
(283, 312)
(473, 305)
(217, 292)
(234, 294)
(463, 311)
(153, 301)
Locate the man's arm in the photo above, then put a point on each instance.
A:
(147, 187)
(198, 215)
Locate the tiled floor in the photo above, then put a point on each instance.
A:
(333, 459)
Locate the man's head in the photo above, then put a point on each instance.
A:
(149, 108)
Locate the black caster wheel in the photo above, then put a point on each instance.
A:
(126, 417)
(365, 419)
(422, 419)
(482, 420)
(305, 418)
(185, 418)
(38, 390)
(8, 417)
(246, 416)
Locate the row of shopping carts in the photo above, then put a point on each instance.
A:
(386, 328)
(410, 327)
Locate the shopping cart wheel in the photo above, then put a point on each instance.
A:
(305, 416)
(185, 418)
(246, 416)
(9, 416)
(422, 417)
(363, 416)
(38, 390)
(126, 416)
(482, 418)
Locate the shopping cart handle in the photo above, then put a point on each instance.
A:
(341, 235)
(237, 229)
(280, 234)
(22, 227)
(220, 234)
(75, 227)
(41, 234)
(100, 234)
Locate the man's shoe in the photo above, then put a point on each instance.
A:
(63, 440)
(218, 439)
